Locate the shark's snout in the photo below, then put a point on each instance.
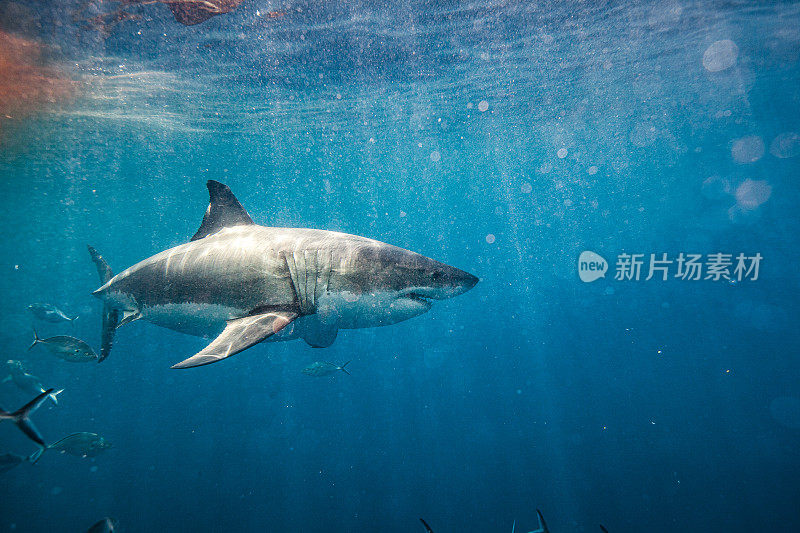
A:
(462, 281)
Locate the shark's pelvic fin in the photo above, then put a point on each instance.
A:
(321, 333)
(224, 211)
(238, 335)
(110, 315)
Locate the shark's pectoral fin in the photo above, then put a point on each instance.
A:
(224, 210)
(110, 315)
(320, 333)
(239, 335)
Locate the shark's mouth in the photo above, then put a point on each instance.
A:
(418, 298)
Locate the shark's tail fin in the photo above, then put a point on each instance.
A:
(603, 528)
(26, 410)
(36, 339)
(424, 523)
(54, 395)
(343, 369)
(110, 315)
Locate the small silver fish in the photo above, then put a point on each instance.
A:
(323, 368)
(67, 348)
(9, 461)
(81, 444)
(49, 313)
(106, 525)
(27, 383)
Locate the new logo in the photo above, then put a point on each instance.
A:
(591, 266)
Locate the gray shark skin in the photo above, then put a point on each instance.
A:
(244, 283)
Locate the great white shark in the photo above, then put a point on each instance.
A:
(243, 283)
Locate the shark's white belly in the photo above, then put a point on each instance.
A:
(342, 310)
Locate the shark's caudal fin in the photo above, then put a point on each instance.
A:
(239, 335)
(426, 526)
(343, 369)
(20, 417)
(224, 211)
(110, 315)
(602, 527)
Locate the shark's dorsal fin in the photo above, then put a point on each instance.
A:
(224, 211)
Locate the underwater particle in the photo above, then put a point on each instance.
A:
(469, 105)
(436, 156)
(592, 170)
(93, 469)
(785, 410)
(609, 291)
(785, 145)
(643, 134)
(55, 491)
(665, 15)
(483, 106)
(562, 153)
(526, 188)
(403, 214)
(720, 55)
(519, 391)
(490, 238)
(752, 193)
(747, 149)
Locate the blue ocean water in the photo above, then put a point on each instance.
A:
(500, 137)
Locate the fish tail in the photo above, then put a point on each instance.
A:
(73, 319)
(54, 396)
(35, 456)
(345, 370)
(36, 339)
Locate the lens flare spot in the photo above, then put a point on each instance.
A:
(752, 193)
(721, 55)
(785, 145)
(747, 149)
